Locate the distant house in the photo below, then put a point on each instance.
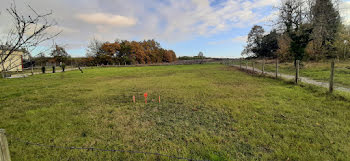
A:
(14, 62)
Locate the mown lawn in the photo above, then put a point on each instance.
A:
(210, 112)
(315, 70)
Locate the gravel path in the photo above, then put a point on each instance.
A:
(302, 79)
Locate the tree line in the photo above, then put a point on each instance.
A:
(128, 52)
(305, 30)
(120, 52)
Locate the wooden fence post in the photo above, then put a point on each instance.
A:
(246, 65)
(253, 66)
(297, 72)
(4, 149)
(32, 68)
(276, 68)
(263, 66)
(240, 63)
(331, 80)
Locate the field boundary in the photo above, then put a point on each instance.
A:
(181, 62)
(290, 77)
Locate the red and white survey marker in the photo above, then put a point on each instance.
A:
(145, 95)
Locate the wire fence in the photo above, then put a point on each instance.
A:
(12, 138)
(330, 74)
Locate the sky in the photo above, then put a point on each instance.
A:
(218, 28)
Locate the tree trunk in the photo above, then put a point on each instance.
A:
(3, 72)
(32, 69)
(31, 65)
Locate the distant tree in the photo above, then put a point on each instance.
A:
(201, 55)
(169, 56)
(254, 41)
(124, 55)
(149, 47)
(293, 18)
(93, 48)
(269, 45)
(41, 59)
(326, 22)
(283, 50)
(342, 42)
(109, 53)
(137, 53)
(123, 51)
(173, 55)
(59, 54)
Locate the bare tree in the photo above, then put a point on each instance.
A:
(94, 47)
(41, 59)
(201, 57)
(60, 54)
(27, 33)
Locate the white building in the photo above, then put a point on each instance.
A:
(14, 62)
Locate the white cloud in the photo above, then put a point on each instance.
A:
(166, 21)
(240, 39)
(107, 19)
(199, 18)
(53, 30)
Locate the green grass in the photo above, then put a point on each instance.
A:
(207, 112)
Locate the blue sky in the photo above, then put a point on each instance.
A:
(216, 27)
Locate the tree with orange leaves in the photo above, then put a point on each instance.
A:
(126, 52)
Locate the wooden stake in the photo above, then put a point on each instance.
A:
(134, 99)
(4, 149)
(331, 80)
(159, 99)
(276, 68)
(240, 63)
(263, 66)
(297, 72)
(253, 64)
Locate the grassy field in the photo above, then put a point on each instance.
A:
(210, 112)
(315, 70)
